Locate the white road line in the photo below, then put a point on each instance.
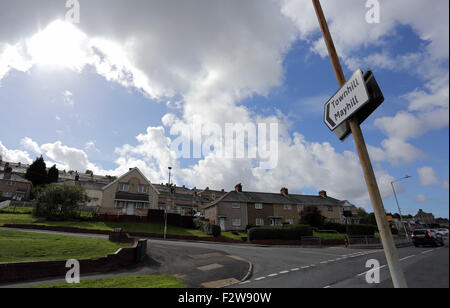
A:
(295, 269)
(245, 282)
(424, 252)
(272, 275)
(407, 257)
(327, 287)
(284, 272)
(260, 278)
(372, 270)
(324, 262)
(303, 267)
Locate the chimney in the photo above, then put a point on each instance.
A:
(8, 172)
(323, 193)
(238, 187)
(284, 191)
(77, 176)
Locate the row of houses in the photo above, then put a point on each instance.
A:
(132, 194)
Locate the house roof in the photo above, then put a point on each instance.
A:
(130, 171)
(14, 177)
(273, 198)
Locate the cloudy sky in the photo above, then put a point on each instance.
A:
(118, 88)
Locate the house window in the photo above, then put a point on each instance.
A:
(123, 187)
(290, 221)
(258, 206)
(140, 205)
(288, 207)
(142, 189)
(236, 222)
(259, 221)
(120, 204)
(330, 209)
(11, 183)
(7, 194)
(20, 195)
(236, 206)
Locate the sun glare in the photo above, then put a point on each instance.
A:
(59, 44)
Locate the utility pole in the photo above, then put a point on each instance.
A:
(390, 250)
(398, 205)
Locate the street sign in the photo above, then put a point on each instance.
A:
(347, 100)
(342, 131)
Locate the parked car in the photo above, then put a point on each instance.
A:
(426, 237)
(442, 231)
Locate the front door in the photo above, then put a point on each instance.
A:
(130, 209)
(222, 224)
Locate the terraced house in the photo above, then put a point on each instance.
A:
(13, 186)
(237, 209)
(132, 194)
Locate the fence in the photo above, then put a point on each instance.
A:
(369, 241)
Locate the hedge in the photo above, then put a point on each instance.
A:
(288, 233)
(361, 230)
(203, 225)
(340, 228)
(216, 231)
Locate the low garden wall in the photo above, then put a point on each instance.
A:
(21, 271)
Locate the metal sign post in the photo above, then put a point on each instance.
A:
(390, 250)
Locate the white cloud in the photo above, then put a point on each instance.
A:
(420, 198)
(68, 98)
(396, 151)
(31, 145)
(427, 176)
(90, 146)
(14, 155)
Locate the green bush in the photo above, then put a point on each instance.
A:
(289, 232)
(361, 230)
(340, 228)
(215, 230)
(60, 202)
(204, 225)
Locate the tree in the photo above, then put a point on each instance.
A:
(312, 216)
(59, 202)
(53, 175)
(37, 172)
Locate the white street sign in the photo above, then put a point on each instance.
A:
(347, 100)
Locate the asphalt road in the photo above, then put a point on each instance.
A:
(283, 267)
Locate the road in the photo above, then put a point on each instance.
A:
(283, 267)
(334, 267)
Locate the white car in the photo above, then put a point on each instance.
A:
(442, 231)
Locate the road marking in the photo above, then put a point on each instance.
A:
(327, 287)
(372, 270)
(295, 269)
(210, 267)
(260, 278)
(284, 272)
(424, 252)
(303, 267)
(245, 282)
(324, 262)
(407, 257)
(272, 275)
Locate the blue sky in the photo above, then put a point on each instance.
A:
(109, 101)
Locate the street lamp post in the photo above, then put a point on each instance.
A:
(398, 206)
(165, 209)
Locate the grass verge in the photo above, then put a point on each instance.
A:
(157, 281)
(18, 246)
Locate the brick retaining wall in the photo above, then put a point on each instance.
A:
(21, 271)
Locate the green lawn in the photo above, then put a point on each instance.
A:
(110, 226)
(17, 246)
(161, 281)
(17, 210)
